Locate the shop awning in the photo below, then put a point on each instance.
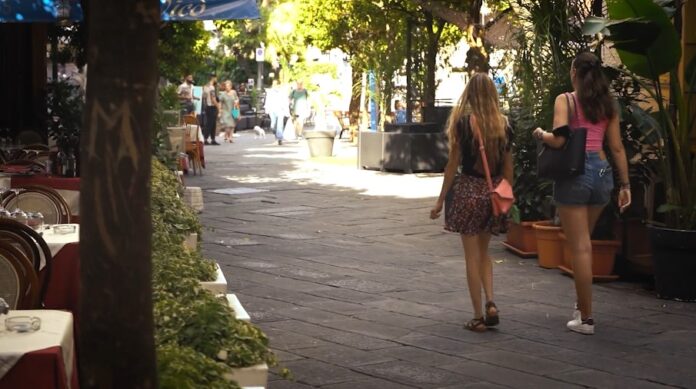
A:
(209, 9)
(32, 11)
(27, 11)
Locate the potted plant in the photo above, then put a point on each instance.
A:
(65, 104)
(649, 47)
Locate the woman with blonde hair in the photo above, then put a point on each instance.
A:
(465, 191)
(229, 101)
(580, 199)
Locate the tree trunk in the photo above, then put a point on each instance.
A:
(434, 31)
(116, 329)
(356, 90)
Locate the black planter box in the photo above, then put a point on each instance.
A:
(674, 256)
(404, 148)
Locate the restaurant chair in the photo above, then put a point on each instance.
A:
(19, 283)
(32, 245)
(193, 149)
(39, 198)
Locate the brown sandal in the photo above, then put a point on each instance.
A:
(476, 325)
(491, 319)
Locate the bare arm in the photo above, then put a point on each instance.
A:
(560, 119)
(450, 173)
(613, 137)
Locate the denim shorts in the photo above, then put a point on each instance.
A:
(592, 188)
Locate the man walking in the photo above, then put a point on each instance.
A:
(299, 104)
(185, 93)
(277, 109)
(211, 107)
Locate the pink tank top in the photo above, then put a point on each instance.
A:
(595, 131)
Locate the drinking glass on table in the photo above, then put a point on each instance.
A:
(3, 212)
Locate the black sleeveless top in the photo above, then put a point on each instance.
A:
(470, 156)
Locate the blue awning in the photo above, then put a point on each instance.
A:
(26, 11)
(209, 9)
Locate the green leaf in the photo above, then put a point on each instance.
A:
(663, 53)
(664, 208)
(594, 25)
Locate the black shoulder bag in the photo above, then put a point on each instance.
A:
(568, 160)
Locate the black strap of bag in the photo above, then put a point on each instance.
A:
(567, 161)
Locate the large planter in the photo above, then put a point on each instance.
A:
(636, 247)
(320, 142)
(549, 244)
(219, 286)
(254, 376)
(407, 147)
(521, 239)
(603, 259)
(674, 256)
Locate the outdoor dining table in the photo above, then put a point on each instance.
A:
(63, 289)
(41, 359)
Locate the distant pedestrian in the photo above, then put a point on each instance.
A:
(466, 195)
(229, 101)
(299, 105)
(211, 108)
(581, 199)
(185, 94)
(277, 109)
(399, 112)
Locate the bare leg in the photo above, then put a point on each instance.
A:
(575, 222)
(473, 271)
(486, 266)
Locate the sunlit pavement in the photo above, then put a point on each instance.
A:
(358, 289)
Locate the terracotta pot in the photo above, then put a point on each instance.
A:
(549, 244)
(603, 256)
(521, 239)
(637, 249)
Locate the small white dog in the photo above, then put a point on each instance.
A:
(259, 132)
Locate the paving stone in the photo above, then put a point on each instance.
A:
(372, 383)
(412, 373)
(350, 339)
(598, 379)
(344, 356)
(508, 377)
(340, 274)
(317, 373)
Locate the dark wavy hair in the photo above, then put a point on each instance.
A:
(593, 88)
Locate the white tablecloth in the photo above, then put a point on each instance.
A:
(56, 242)
(56, 330)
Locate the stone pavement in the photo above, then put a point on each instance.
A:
(358, 289)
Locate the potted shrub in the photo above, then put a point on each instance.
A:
(549, 244)
(649, 47)
(65, 104)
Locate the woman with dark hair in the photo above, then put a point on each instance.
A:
(465, 189)
(581, 199)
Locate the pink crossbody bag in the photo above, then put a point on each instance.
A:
(502, 197)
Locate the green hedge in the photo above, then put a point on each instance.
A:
(198, 338)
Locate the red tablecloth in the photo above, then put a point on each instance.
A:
(41, 369)
(63, 289)
(54, 182)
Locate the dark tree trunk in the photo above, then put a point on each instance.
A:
(434, 30)
(354, 107)
(116, 339)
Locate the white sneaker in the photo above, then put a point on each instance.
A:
(576, 313)
(585, 327)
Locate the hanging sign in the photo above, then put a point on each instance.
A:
(209, 9)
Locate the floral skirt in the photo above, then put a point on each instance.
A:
(468, 208)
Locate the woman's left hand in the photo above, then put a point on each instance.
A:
(624, 199)
(435, 212)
